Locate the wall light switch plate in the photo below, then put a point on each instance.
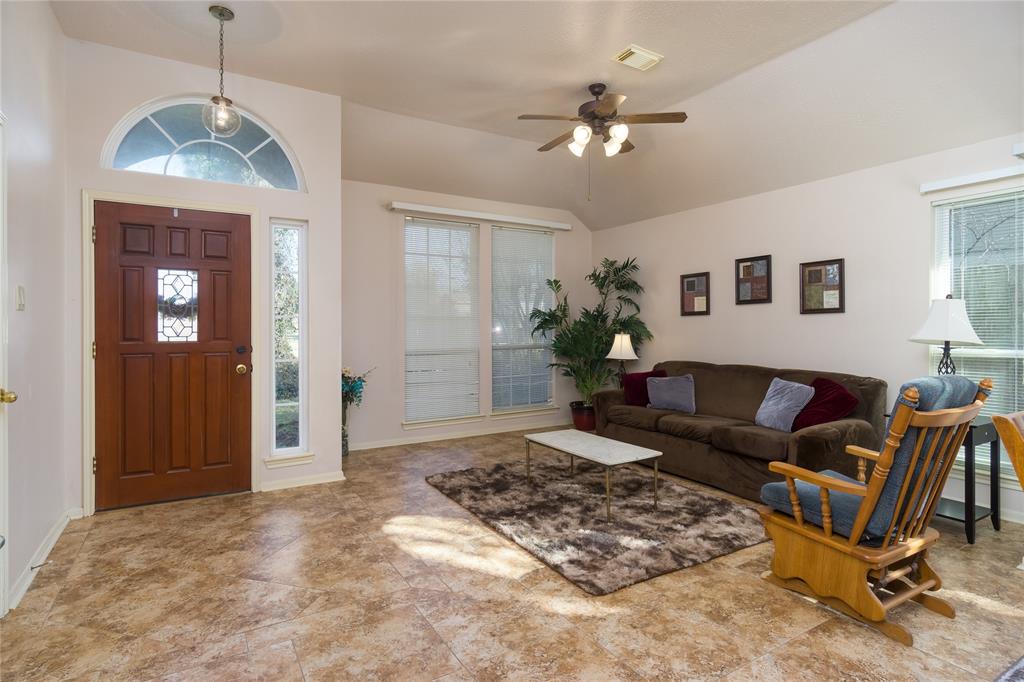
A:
(19, 298)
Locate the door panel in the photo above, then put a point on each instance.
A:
(172, 323)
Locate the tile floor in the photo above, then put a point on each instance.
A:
(382, 577)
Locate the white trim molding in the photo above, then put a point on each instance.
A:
(288, 460)
(327, 477)
(482, 216)
(261, 355)
(973, 179)
(20, 586)
(453, 435)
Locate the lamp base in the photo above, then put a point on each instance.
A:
(622, 372)
(946, 365)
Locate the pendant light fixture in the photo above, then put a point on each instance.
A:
(219, 114)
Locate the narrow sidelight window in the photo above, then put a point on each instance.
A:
(521, 263)
(290, 323)
(442, 320)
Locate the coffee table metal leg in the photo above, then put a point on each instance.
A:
(528, 479)
(608, 492)
(655, 484)
(572, 465)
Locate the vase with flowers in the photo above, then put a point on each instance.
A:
(352, 386)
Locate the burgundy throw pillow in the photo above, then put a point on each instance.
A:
(830, 402)
(634, 386)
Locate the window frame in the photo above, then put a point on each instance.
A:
(302, 227)
(941, 279)
(551, 404)
(128, 122)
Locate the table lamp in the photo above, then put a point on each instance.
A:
(947, 325)
(622, 350)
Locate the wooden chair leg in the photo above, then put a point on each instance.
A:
(891, 630)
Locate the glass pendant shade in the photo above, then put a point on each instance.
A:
(619, 132)
(220, 117)
(611, 147)
(581, 134)
(576, 148)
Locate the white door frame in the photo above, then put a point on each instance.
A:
(5, 551)
(259, 241)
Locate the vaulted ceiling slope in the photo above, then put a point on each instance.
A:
(778, 93)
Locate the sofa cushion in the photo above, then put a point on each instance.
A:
(634, 387)
(752, 441)
(637, 417)
(696, 427)
(831, 402)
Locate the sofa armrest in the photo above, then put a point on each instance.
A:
(602, 401)
(823, 446)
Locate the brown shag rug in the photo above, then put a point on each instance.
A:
(560, 519)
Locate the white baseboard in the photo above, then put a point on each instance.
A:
(24, 580)
(281, 484)
(451, 435)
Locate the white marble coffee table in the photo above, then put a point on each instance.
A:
(597, 449)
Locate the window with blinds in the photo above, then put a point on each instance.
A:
(521, 263)
(442, 320)
(979, 257)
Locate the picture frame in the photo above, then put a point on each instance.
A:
(695, 294)
(754, 280)
(823, 286)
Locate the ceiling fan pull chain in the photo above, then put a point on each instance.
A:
(590, 153)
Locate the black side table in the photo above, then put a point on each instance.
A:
(981, 431)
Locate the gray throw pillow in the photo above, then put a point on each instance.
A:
(782, 404)
(672, 393)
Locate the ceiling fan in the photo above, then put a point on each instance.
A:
(600, 116)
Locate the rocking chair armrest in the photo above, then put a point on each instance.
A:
(820, 480)
(858, 451)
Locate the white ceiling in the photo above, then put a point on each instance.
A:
(778, 93)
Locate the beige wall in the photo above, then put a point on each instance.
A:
(373, 306)
(876, 219)
(33, 102)
(105, 84)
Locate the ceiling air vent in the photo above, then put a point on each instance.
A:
(638, 57)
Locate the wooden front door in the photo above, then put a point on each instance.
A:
(173, 386)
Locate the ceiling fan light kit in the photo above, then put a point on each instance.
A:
(600, 116)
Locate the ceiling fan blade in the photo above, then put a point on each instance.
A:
(668, 117)
(555, 142)
(546, 117)
(608, 104)
(627, 146)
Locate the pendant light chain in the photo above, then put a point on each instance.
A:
(221, 57)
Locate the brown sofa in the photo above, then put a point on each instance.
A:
(721, 446)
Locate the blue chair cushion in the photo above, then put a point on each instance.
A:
(844, 505)
(935, 393)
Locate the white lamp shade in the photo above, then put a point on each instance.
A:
(622, 348)
(576, 148)
(581, 134)
(947, 321)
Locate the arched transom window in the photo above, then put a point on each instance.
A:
(169, 139)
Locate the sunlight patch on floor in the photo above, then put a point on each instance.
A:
(455, 543)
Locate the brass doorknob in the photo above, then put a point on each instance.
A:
(8, 396)
(241, 369)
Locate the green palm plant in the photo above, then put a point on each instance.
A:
(581, 344)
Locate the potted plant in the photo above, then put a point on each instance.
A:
(352, 386)
(580, 345)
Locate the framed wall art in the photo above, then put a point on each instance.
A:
(695, 294)
(754, 280)
(823, 286)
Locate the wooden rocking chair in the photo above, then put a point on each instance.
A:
(862, 547)
(1011, 432)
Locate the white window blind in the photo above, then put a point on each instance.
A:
(979, 257)
(521, 262)
(442, 320)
